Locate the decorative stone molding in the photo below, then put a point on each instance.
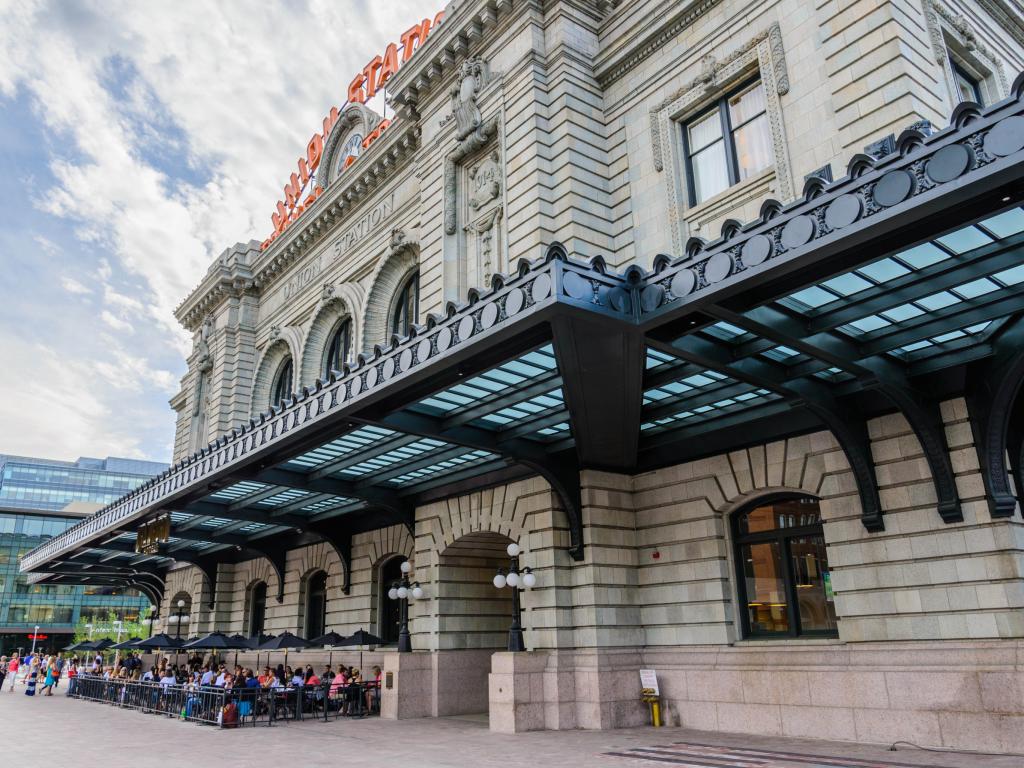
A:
(942, 23)
(764, 54)
(465, 111)
(282, 346)
(392, 270)
(339, 301)
(472, 143)
(673, 24)
(356, 118)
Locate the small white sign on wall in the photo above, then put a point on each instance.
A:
(649, 682)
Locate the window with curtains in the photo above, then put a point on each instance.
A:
(338, 348)
(728, 143)
(282, 388)
(407, 305)
(785, 585)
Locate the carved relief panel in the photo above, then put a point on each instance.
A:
(474, 188)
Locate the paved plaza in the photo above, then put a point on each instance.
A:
(88, 734)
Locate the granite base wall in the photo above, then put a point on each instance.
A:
(965, 695)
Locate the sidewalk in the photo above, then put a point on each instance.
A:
(114, 738)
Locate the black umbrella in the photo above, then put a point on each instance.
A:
(361, 637)
(284, 641)
(81, 645)
(213, 641)
(124, 644)
(102, 645)
(331, 639)
(157, 642)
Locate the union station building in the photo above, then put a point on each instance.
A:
(713, 307)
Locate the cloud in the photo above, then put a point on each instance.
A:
(74, 287)
(171, 128)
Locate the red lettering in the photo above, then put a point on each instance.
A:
(370, 71)
(280, 217)
(303, 171)
(292, 190)
(439, 18)
(356, 94)
(329, 122)
(411, 39)
(389, 64)
(314, 150)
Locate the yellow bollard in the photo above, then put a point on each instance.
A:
(655, 710)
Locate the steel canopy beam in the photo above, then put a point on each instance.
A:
(885, 375)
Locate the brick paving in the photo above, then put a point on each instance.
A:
(88, 734)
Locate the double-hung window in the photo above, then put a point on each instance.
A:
(968, 87)
(728, 143)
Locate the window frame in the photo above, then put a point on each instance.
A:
(412, 280)
(254, 631)
(343, 328)
(961, 71)
(720, 105)
(321, 618)
(782, 536)
(288, 364)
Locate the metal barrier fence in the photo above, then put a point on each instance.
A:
(225, 708)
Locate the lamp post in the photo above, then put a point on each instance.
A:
(117, 653)
(403, 591)
(148, 622)
(178, 619)
(34, 635)
(513, 578)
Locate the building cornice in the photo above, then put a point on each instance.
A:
(1009, 14)
(373, 169)
(646, 38)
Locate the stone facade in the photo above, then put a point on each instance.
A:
(561, 121)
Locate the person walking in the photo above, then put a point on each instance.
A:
(12, 669)
(50, 679)
(30, 682)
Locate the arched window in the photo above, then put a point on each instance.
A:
(338, 348)
(407, 305)
(390, 572)
(257, 608)
(282, 388)
(785, 586)
(316, 605)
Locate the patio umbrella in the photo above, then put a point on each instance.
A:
(81, 645)
(102, 645)
(129, 643)
(361, 637)
(329, 640)
(284, 641)
(213, 641)
(157, 642)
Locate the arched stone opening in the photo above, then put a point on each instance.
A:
(385, 618)
(393, 273)
(179, 617)
(341, 303)
(268, 372)
(254, 620)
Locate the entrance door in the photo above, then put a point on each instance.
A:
(390, 573)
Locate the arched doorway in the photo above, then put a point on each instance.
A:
(473, 619)
(389, 572)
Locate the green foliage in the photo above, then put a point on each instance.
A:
(107, 628)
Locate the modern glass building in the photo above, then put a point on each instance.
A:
(39, 499)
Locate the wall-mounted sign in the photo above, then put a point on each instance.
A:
(37, 637)
(302, 189)
(151, 535)
(649, 682)
(364, 225)
(305, 276)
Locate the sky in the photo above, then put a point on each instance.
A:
(138, 140)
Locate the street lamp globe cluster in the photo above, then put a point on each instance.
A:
(405, 591)
(516, 580)
(178, 619)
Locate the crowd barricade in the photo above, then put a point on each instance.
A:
(236, 707)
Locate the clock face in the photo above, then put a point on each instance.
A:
(351, 149)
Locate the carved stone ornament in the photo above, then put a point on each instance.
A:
(486, 230)
(485, 181)
(275, 332)
(473, 143)
(204, 361)
(398, 238)
(468, 119)
(941, 22)
(328, 291)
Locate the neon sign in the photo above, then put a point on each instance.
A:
(301, 191)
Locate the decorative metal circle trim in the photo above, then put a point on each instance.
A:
(357, 386)
(444, 339)
(893, 188)
(651, 297)
(1006, 137)
(843, 211)
(619, 300)
(423, 351)
(466, 327)
(576, 286)
(718, 267)
(371, 380)
(514, 302)
(489, 315)
(388, 369)
(405, 358)
(756, 250)
(683, 283)
(541, 288)
(798, 231)
(948, 163)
